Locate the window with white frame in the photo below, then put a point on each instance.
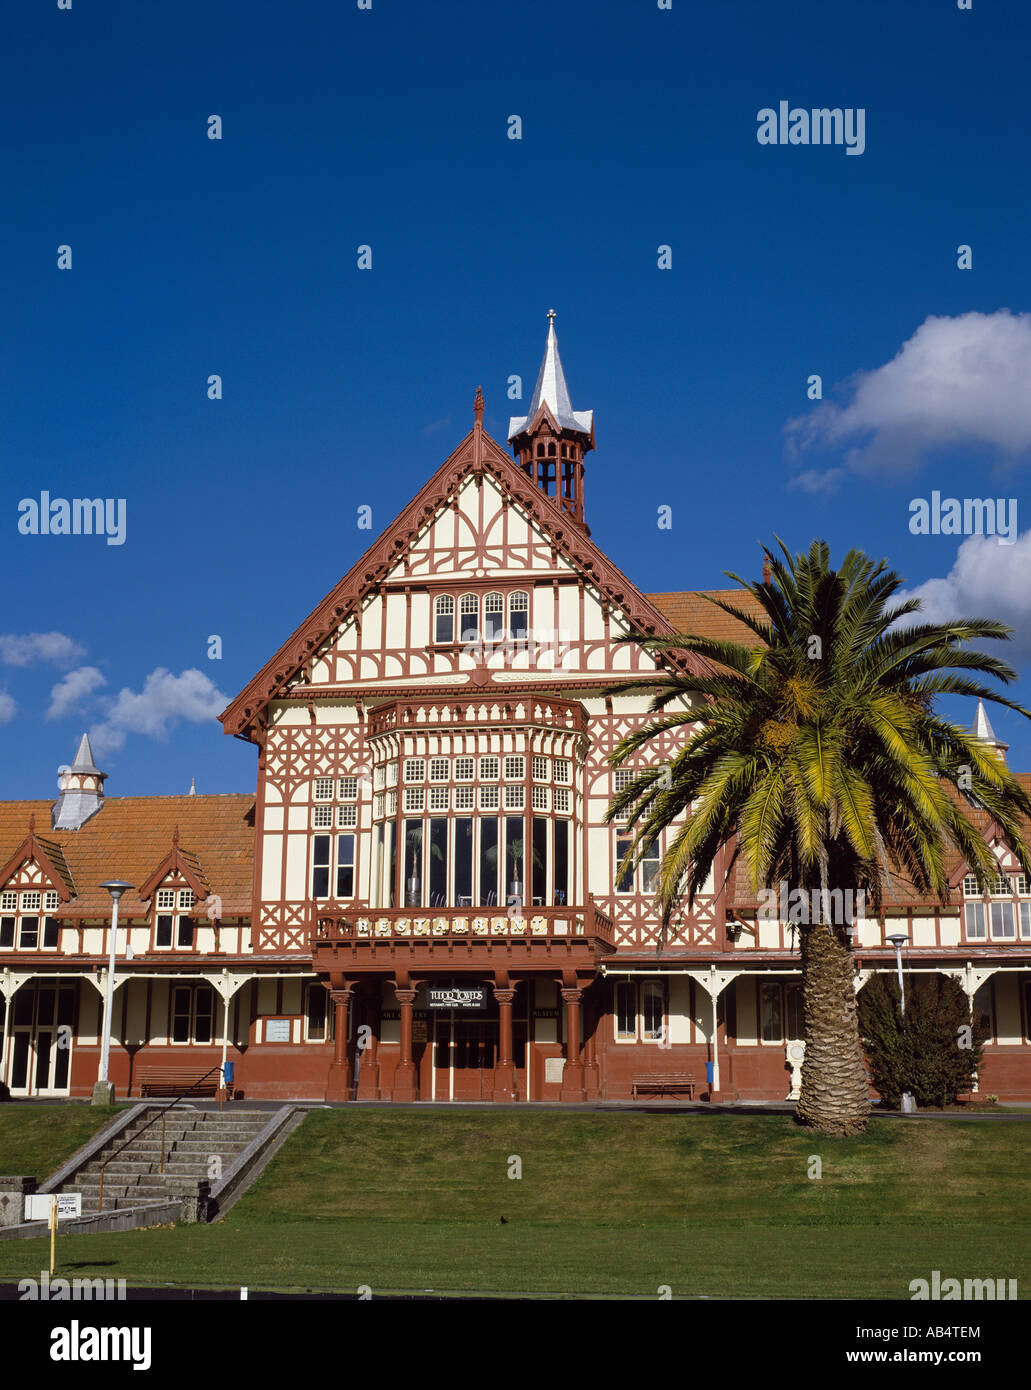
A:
(415, 770)
(562, 769)
(323, 789)
(640, 1011)
(974, 921)
(464, 798)
(439, 769)
(493, 617)
(490, 769)
(540, 769)
(414, 798)
(561, 798)
(329, 853)
(470, 618)
(26, 922)
(515, 768)
(321, 816)
(970, 888)
(515, 798)
(444, 619)
(490, 798)
(780, 1011)
(439, 798)
(347, 816)
(348, 789)
(464, 768)
(174, 927)
(519, 614)
(539, 798)
(645, 878)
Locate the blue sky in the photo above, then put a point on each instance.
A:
(389, 127)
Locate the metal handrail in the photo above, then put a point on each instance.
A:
(159, 1116)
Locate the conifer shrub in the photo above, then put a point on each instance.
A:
(934, 1053)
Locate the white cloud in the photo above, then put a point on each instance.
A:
(988, 580)
(164, 700)
(813, 481)
(39, 646)
(7, 707)
(956, 382)
(70, 691)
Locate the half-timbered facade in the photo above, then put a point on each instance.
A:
(422, 900)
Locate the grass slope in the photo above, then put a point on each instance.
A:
(37, 1139)
(607, 1205)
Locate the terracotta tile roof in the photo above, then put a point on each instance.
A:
(690, 612)
(130, 836)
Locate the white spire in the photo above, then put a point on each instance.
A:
(551, 390)
(982, 729)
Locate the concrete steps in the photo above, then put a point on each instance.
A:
(193, 1140)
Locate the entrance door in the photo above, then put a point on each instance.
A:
(464, 1049)
(42, 1019)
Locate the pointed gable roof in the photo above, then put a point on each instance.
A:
(477, 454)
(48, 855)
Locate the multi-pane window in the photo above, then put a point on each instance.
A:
(493, 617)
(518, 614)
(623, 777)
(489, 798)
(515, 798)
(322, 816)
(464, 798)
(347, 816)
(970, 888)
(470, 610)
(780, 1011)
(439, 797)
(540, 769)
(438, 769)
(323, 789)
(640, 1011)
(974, 918)
(444, 619)
(414, 798)
(562, 766)
(540, 798)
(322, 865)
(561, 798)
(25, 920)
(647, 869)
(415, 770)
(192, 1014)
(348, 788)
(392, 773)
(173, 925)
(515, 768)
(464, 769)
(490, 768)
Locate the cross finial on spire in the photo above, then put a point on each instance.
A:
(478, 406)
(552, 316)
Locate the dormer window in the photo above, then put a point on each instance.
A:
(25, 923)
(174, 927)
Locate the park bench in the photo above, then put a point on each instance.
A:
(170, 1081)
(668, 1081)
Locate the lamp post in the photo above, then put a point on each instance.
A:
(898, 940)
(103, 1091)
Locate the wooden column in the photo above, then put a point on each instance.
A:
(368, 1056)
(405, 1083)
(338, 1086)
(504, 1066)
(572, 1072)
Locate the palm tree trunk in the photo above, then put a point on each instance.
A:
(833, 1098)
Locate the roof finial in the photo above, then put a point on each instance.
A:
(552, 316)
(478, 406)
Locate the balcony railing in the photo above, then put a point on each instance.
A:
(462, 924)
(493, 711)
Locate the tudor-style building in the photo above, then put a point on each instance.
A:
(422, 899)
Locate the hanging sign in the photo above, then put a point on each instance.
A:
(474, 998)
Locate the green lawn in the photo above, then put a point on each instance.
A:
(608, 1204)
(36, 1139)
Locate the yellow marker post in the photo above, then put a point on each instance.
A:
(53, 1233)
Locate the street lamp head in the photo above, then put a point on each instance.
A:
(898, 940)
(116, 887)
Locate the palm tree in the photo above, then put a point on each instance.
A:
(815, 754)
